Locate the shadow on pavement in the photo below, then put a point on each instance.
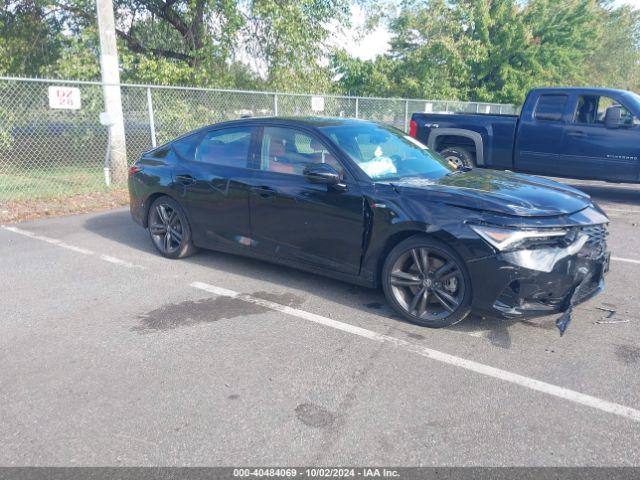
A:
(118, 226)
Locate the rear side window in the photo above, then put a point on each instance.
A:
(228, 147)
(550, 107)
(185, 147)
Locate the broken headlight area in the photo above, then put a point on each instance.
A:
(542, 249)
(544, 271)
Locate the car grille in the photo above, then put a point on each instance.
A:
(596, 244)
(597, 233)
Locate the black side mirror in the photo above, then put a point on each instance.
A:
(613, 116)
(322, 173)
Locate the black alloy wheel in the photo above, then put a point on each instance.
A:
(427, 283)
(169, 228)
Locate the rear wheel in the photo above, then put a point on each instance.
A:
(459, 156)
(427, 282)
(169, 228)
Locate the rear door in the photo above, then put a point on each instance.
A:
(211, 181)
(540, 134)
(311, 224)
(591, 150)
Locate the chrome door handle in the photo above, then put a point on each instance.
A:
(185, 179)
(577, 133)
(264, 191)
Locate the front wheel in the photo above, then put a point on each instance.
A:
(169, 228)
(427, 282)
(459, 156)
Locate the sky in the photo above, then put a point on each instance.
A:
(374, 43)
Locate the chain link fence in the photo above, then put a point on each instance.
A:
(49, 152)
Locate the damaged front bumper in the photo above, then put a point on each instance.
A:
(536, 282)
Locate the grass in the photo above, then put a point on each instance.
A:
(36, 193)
(31, 184)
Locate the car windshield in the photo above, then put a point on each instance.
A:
(386, 154)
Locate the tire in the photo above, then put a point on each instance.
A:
(448, 289)
(169, 229)
(459, 156)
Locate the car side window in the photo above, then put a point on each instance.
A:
(286, 150)
(550, 107)
(185, 147)
(226, 147)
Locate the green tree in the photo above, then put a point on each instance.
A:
(224, 43)
(489, 50)
(291, 41)
(615, 62)
(30, 37)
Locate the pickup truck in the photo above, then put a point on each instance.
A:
(587, 133)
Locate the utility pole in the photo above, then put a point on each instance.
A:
(111, 88)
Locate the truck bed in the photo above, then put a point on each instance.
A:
(440, 130)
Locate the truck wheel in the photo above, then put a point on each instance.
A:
(459, 156)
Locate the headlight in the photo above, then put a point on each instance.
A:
(505, 239)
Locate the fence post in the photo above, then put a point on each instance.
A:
(152, 122)
(406, 116)
(357, 107)
(500, 110)
(446, 107)
(275, 104)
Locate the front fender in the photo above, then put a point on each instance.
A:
(393, 221)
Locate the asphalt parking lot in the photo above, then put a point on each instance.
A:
(113, 355)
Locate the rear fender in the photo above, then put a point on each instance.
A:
(475, 137)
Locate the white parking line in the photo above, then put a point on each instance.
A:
(533, 384)
(623, 210)
(52, 241)
(628, 260)
(118, 261)
(73, 248)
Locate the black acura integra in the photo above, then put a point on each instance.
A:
(365, 203)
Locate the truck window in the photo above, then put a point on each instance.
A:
(586, 110)
(550, 107)
(606, 102)
(591, 109)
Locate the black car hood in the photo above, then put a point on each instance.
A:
(500, 192)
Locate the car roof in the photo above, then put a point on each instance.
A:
(314, 122)
(586, 90)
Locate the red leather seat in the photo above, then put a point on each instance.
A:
(277, 153)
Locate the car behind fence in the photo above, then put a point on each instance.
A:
(50, 148)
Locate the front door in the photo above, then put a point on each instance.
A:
(591, 150)
(311, 224)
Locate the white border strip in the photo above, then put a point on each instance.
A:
(622, 210)
(627, 260)
(549, 389)
(52, 241)
(73, 248)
